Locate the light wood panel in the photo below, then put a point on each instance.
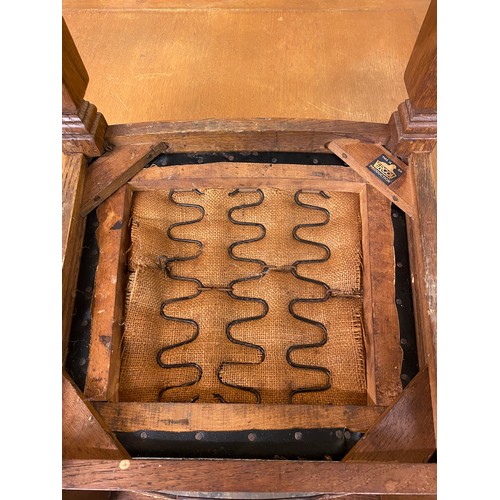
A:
(250, 476)
(358, 156)
(383, 352)
(112, 170)
(186, 417)
(415, 5)
(84, 433)
(108, 302)
(229, 175)
(404, 433)
(422, 232)
(172, 61)
(264, 134)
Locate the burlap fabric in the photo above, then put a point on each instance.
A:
(224, 363)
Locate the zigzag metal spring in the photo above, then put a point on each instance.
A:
(165, 263)
(264, 304)
(292, 303)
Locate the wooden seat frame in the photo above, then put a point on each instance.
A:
(399, 425)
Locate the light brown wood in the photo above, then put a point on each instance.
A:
(84, 433)
(418, 6)
(111, 171)
(383, 352)
(234, 174)
(265, 134)
(325, 60)
(108, 301)
(73, 227)
(186, 417)
(359, 155)
(74, 75)
(422, 247)
(249, 476)
(404, 433)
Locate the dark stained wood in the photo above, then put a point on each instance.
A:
(383, 352)
(250, 476)
(422, 247)
(231, 174)
(111, 171)
(186, 417)
(74, 75)
(272, 134)
(108, 302)
(413, 127)
(73, 227)
(84, 433)
(404, 433)
(359, 155)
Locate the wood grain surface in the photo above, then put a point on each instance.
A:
(359, 155)
(73, 227)
(422, 248)
(405, 432)
(180, 60)
(112, 170)
(259, 134)
(74, 75)
(112, 235)
(84, 433)
(186, 417)
(249, 476)
(421, 73)
(383, 352)
(234, 174)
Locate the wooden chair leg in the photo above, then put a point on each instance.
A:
(83, 127)
(413, 126)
